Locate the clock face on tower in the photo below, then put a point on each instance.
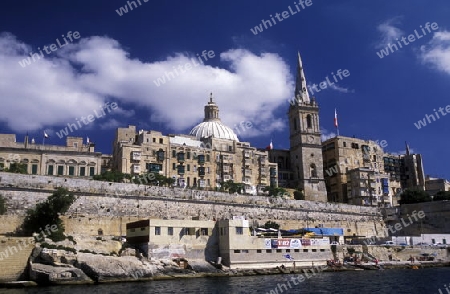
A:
(310, 139)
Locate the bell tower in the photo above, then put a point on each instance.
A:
(305, 142)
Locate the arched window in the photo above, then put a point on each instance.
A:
(309, 121)
(313, 170)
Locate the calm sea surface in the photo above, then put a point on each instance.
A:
(361, 282)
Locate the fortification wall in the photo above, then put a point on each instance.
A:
(103, 205)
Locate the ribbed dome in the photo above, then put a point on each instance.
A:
(216, 129)
(212, 126)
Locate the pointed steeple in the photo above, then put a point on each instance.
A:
(407, 148)
(301, 91)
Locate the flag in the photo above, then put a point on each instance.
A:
(270, 147)
(335, 118)
(46, 135)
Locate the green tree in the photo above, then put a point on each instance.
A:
(233, 187)
(271, 225)
(298, 195)
(275, 191)
(2, 205)
(18, 168)
(111, 176)
(442, 195)
(47, 214)
(414, 196)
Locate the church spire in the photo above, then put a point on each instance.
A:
(301, 91)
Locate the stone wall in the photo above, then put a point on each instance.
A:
(108, 206)
(436, 220)
(14, 253)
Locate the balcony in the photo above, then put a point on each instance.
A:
(247, 172)
(247, 154)
(180, 157)
(180, 169)
(201, 159)
(160, 155)
(136, 168)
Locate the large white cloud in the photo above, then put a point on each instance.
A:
(437, 51)
(80, 77)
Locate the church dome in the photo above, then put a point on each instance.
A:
(212, 125)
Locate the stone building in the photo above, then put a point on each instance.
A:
(434, 185)
(210, 155)
(343, 154)
(74, 159)
(302, 165)
(367, 187)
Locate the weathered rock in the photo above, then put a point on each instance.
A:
(49, 275)
(107, 268)
(128, 252)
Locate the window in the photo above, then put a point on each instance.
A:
(75, 145)
(50, 170)
(161, 141)
(258, 251)
(174, 153)
(322, 250)
(71, 170)
(91, 171)
(279, 250)
(60, 170)
(188, 155)
(207, 157)
(309, 121)
(204, 232)
(154, 140)
(170, 231)
(268, 250)
(288, 250)
(244, 251)
(174, 166)
(305, 250)
(221, 231)
(82, 171)
(142, 229)
(344, 144)
(313, 171)
(237, 251)
(314, 250)
(239, 230)
(296, 250)
(34, 169)
(157, 230)
(188, 167)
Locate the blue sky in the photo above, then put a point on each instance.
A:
(119, 58)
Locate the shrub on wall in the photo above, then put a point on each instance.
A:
(46, 215)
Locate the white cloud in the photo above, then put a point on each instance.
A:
(341, 89)
(80, 77)
(326, 134)
(437, 52)
(389, 32)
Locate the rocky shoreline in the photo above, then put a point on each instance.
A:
(48, 267)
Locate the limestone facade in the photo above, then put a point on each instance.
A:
(193, 163)
(75, 159)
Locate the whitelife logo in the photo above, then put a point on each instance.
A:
(35, 56)
(411, 38)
